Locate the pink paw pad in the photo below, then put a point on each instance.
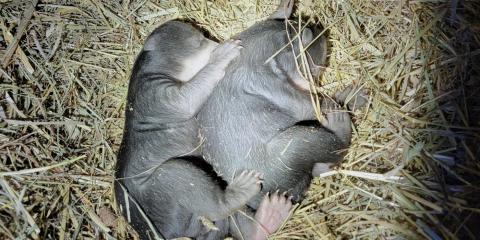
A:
(272, 212)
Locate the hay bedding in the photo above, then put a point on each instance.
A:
(412, 171)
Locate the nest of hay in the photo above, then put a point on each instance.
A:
(412, 170)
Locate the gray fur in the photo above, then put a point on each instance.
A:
(174, 190)
(251, 119)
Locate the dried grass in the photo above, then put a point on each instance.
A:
(412, 170)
